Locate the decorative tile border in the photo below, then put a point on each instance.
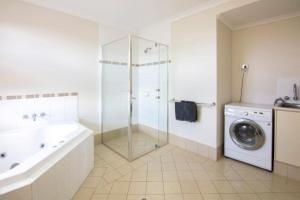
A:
(33, 96)
(134, 65)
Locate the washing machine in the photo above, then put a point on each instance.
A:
(248, 134)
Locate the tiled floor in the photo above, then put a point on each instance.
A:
(142, 143)
(174, 174)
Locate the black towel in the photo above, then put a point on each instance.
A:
(186, 111)
(179, 111)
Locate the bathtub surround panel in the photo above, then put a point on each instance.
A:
(43, 50)
(58, 176)
(17, 113)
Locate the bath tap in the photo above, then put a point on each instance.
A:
(295, 92)
(34, 116)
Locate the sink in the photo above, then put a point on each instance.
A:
(290, 105)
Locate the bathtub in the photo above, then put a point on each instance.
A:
(48, 162)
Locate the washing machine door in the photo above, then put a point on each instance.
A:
(247, 134)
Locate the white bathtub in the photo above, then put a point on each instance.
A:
(48, 162)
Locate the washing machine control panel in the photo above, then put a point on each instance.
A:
(250, 114)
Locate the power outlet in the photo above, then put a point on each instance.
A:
(245, 67)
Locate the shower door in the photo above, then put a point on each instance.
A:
(115, 101)
(149, 100)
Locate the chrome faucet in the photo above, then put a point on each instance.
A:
(281, 100)
(295, 92)
(34, 116)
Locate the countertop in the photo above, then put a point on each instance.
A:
(286, 109)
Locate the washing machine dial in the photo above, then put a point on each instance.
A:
(246, 113)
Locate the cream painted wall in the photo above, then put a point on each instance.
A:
(194, 72)
(224, 63)
(272, 52)
(45, 51)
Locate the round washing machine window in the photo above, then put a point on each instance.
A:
(247, 134)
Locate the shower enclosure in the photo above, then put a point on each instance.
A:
(134, 96)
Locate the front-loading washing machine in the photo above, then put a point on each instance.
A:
(248, 134)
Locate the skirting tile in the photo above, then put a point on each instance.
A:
(195, 147)
(287, 170)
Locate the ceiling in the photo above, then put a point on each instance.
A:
(124, 14)
(259, 11)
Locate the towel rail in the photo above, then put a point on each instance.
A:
(199, 104)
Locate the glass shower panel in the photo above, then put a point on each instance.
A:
(115, 101)
(145, 102)
(163, 61)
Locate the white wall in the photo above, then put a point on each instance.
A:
(44, 51)
(272, 52)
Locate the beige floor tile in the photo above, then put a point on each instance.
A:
(257, 187)
(112, 176)
(137, 188)
(182, 166)
(172, 188)
(224, 187)
(189, 187)
(230, 197)
(126, 177)
(169, 166)
(185, 175)
(173, 197)
(232, 175)
(116, 197)
(195, 166)
(98, 171)
(214, 175)
(170, 176)
(207, 187)
(241, 187)
(155, 197)
(171, 173)
(104, 189)
(125, 169)
(120, 188)
(135, 197)
(93, 182)
(211, 197)
(83, 194)
(249, 197)
(267, 196)
(155, 188)
(140, 175)
(200, 175)
(99, 197)
(192, 197)
(154, 176)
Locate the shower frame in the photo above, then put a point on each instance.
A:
(130, 99)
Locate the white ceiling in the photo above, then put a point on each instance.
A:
(124, 14)
(263, 10)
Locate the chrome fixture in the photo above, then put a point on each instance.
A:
(199, 104)
(286, 98)
(34, 116)
(295, 92)
(281, 100)
(147, 49)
